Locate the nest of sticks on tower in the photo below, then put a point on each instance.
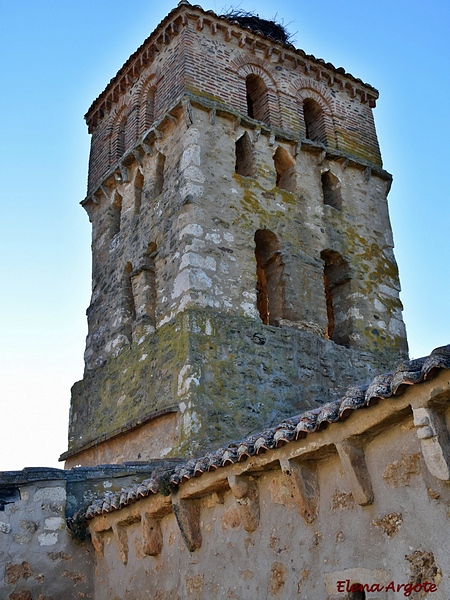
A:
(255, 23)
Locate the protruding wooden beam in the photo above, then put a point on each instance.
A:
(305, 485)
(354, 464)
(245, 491)
(187, 513)
(152, 539)
(434, 441)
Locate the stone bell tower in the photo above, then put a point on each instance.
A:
(242, 255)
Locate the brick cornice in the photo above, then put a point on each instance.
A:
(180, 17)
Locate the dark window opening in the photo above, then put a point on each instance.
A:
(257, 99)
(331, 188)
(269, 275)
(128, 305)
(138, 185)
(244, 157)
(115, 213)
(285, 168)
(314, 121)
(337, 297)
(159, 175)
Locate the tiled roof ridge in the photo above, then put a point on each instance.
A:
(290, 429)
(169, 16)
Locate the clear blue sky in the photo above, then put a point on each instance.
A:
(58, 55)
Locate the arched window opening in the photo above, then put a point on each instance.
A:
(245, 164)
(285, 168)
(269, 275)
(257, 99)
(138, 185)
(337, 296)
(115, 213)
(331, 188)
(159, 174)
(120, 139)
(129, 306)
(314, 121)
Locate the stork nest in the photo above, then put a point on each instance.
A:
(263, 26)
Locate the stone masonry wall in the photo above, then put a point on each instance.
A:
(39, 560)
(167, 238)
(198, 206)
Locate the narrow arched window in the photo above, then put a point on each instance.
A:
(244, 156)
(257, 98)
(337, 297)
(269, 277)
(115, 213)
(159, 174)
(285, 168)
(331, 188)
(314, 121)
(128, 303)
(138, 185)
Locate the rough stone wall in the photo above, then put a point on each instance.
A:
(39, 560)
(357, 503)
(202, 248)
(175, 221)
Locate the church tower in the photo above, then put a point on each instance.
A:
(242, 254)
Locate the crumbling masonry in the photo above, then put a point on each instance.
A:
(242, 252)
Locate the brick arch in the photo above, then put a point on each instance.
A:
(324, 100)
(146, 113)
(246, 67)
(306, 83)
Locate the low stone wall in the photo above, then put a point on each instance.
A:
(39, 560)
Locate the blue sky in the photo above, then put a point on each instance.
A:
(57, 56)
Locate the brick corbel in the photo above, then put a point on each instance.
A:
(152, 539)
(355, 469)
(187, 513)
(434, 441)
(305, 485)
(245, 491)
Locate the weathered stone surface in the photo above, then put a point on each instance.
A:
(35, 554)
(242, 288)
